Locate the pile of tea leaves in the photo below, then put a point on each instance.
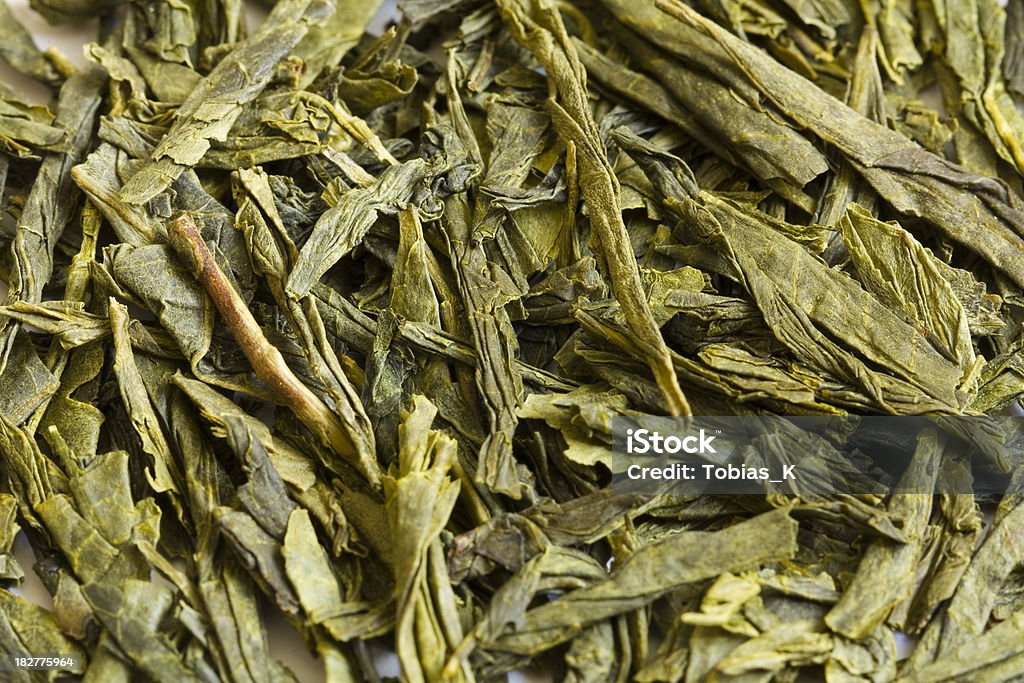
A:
(311, 325)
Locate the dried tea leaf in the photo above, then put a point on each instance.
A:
(540, 28)
(652, 571)
(211, 109)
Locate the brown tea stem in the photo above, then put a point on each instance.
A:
(267, 362)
